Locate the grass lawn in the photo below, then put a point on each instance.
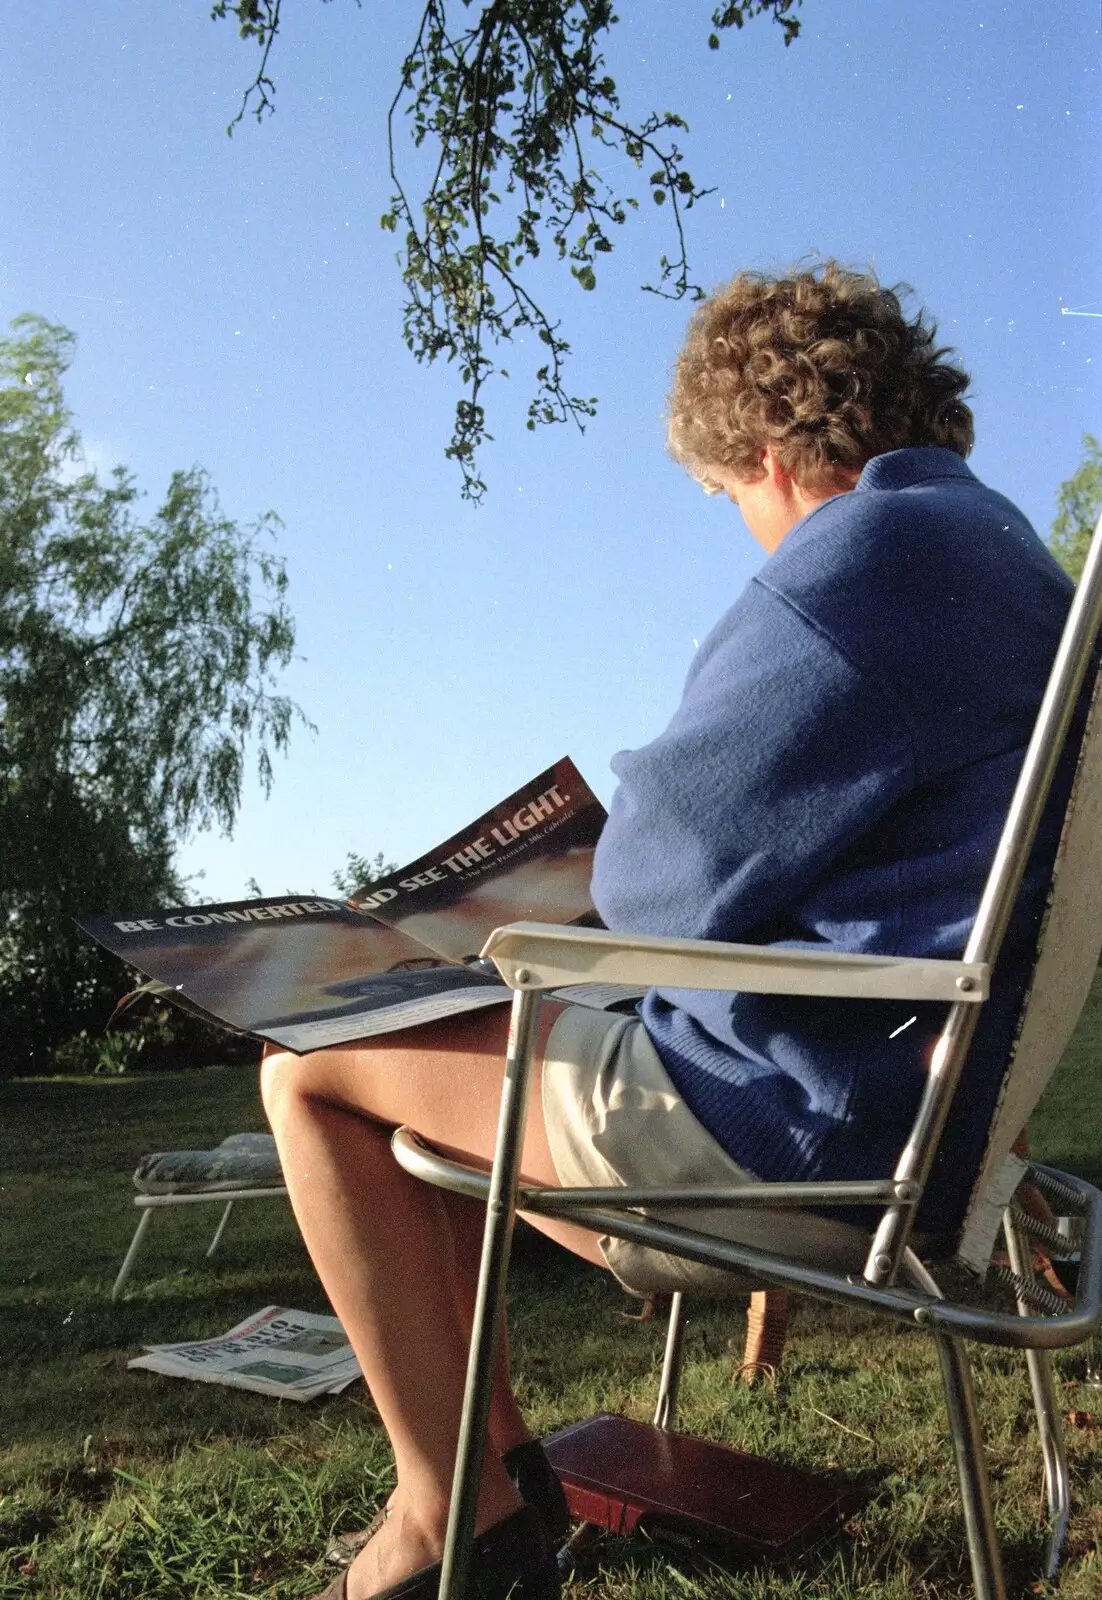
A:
(117, 1485)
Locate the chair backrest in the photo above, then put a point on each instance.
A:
(1068, 953)
(1030, 1067)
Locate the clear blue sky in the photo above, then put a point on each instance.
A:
(237, 306)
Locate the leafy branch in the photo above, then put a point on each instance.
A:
(259, 20)
(514, 107)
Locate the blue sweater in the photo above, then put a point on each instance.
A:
(837, 775)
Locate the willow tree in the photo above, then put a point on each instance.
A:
(139, 658)
(513, 105)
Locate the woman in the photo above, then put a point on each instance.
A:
(836, 775)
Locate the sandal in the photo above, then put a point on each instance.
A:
(343, 1548)
(510, 1561)
(537, 1485)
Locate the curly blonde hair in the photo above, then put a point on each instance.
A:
(823, 367)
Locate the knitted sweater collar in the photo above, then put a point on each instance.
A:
(902, 469)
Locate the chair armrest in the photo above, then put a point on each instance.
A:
(537, 955)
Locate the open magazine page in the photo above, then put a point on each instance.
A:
(304, 973)
(529, 859)
(308, 972)
(290, 1355)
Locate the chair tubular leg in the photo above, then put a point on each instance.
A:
(665, 1415)
(1050, 1427)
(131, 1255)
(490, 1302)
(1046, 1403)
(220, 1230)
(988, 1578)
(975, 1488)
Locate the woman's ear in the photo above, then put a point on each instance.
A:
(775, 471)
(781, 481)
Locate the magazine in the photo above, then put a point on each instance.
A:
(291, 1355)
(308, 972)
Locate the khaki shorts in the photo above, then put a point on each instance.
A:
(613, 1117)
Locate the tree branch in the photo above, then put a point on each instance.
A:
(519, 92)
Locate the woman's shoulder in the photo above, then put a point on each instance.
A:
(939, 590)
(944, 553)
(918, 520)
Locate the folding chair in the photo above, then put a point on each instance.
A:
(244, 1166)
(895, 1283)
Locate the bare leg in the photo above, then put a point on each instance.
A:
(396, 1256)
(468, 1219)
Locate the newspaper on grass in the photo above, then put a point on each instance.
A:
(308, 972)
(290, 1355)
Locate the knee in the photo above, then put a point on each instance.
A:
(280, 1083)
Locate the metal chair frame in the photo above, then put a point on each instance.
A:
(532, 958)
(148, 1203)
